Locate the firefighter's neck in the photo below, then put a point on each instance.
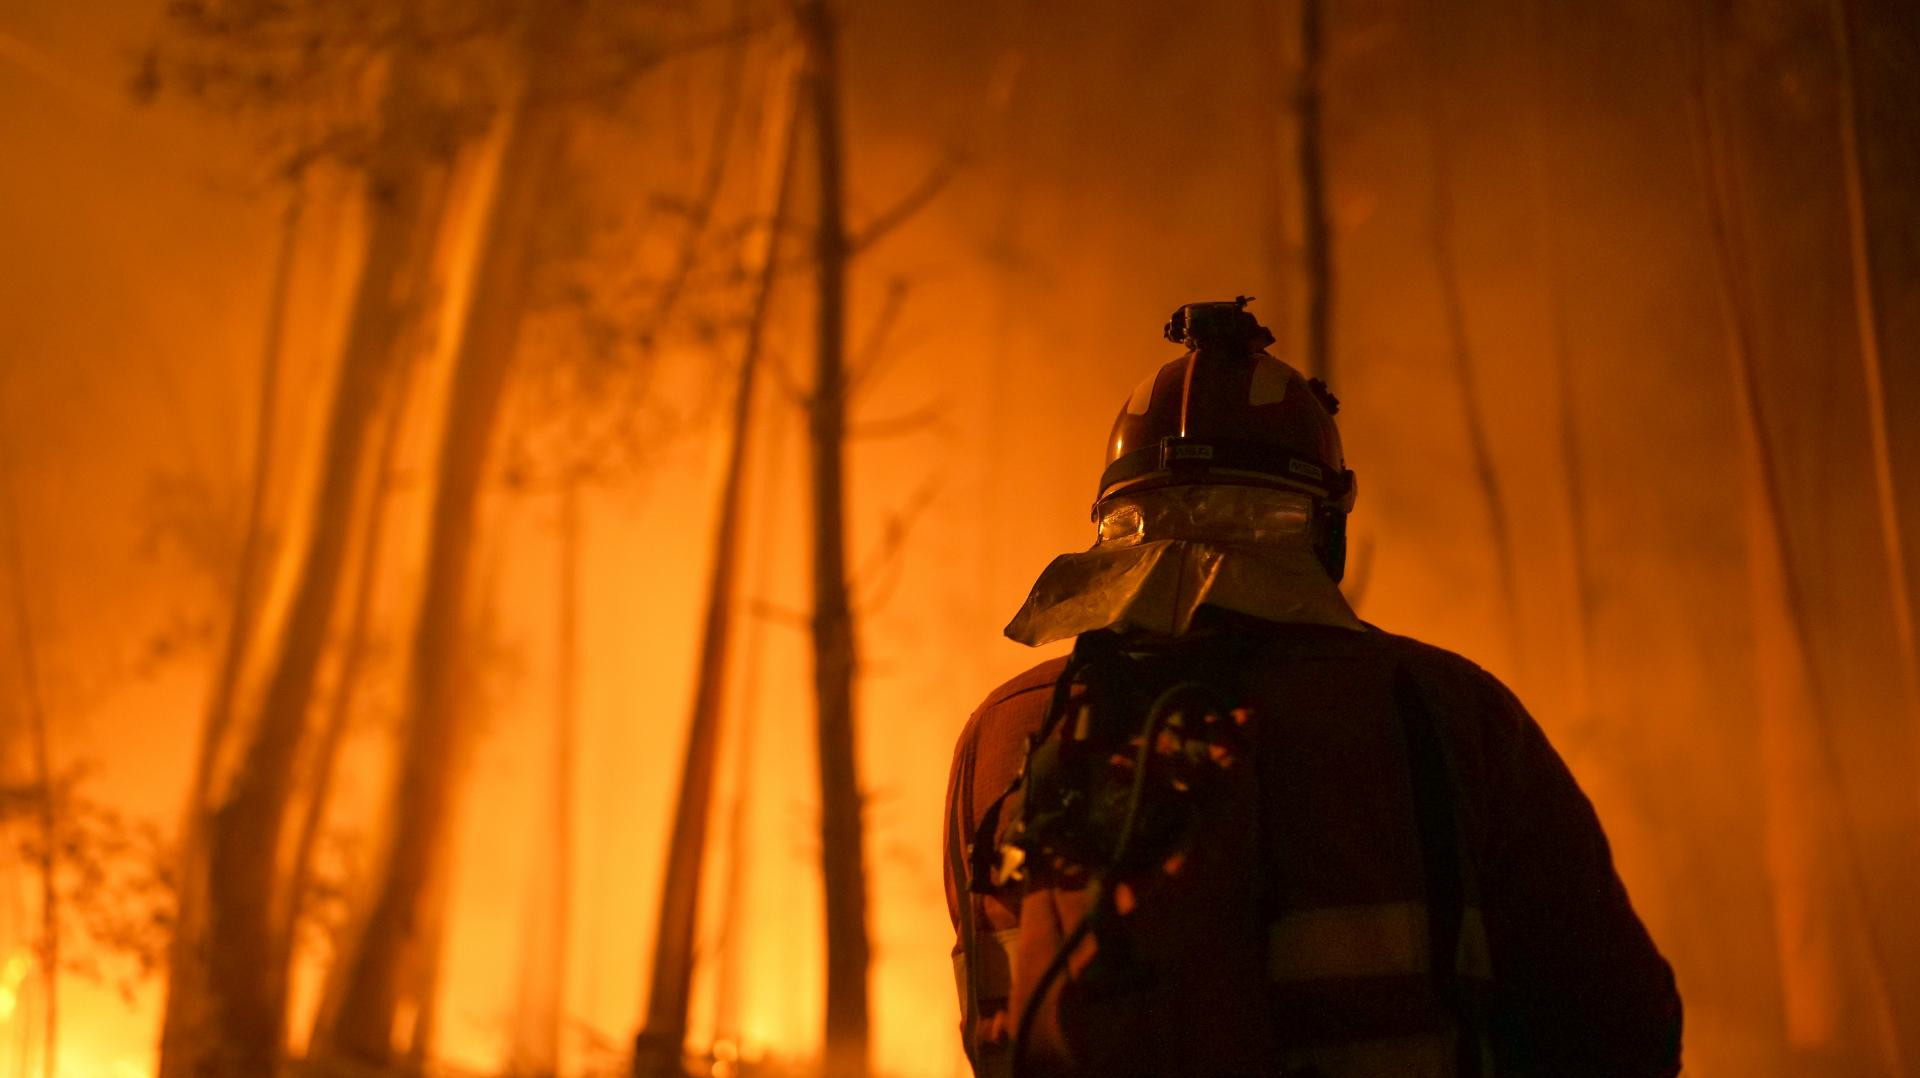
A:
(1210, 623)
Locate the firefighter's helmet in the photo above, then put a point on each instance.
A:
(1228, 412)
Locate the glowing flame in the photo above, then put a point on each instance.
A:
(86, 1061)
(12, 975)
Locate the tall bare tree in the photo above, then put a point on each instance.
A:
(244, 864)
(224, 993)
(835, 654)
(187, 967)
(1867, 329)
(1544, 186)
(388, 956)
(534, 1051)
(731, 936)
(1272, 32)
(305, 69)
(1010, 89)
(1453, 309)
(1316, 226)
(658, 1047)
(1833, 962)
(356, 642)
(33, 704)
(253, 526)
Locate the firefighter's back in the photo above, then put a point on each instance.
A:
(1369, 803)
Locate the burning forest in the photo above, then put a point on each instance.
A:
(506, 506)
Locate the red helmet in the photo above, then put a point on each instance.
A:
(1228, 412)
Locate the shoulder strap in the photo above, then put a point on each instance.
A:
(1443, 863)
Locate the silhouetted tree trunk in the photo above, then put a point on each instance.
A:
(187, 971)
(1316, 228)
(1832, 963)
(835, 659)
(16, 920)
(417, 1025)
(731, 941)
(1566, 400)
(657, 1049)
(728, 950)
(1272, 31)
(1867, 327)
(541, 992)
(1453, 307)
(33, 703)
(386, 960)
(1010, 266)
(236, 1027)
(424, 990)
(253, 526)
(566, 706)
(340, 709)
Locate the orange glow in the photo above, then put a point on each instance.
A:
(1730, 688)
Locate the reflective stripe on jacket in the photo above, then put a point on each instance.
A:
(1294, 937)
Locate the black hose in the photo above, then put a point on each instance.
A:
(1102, 898)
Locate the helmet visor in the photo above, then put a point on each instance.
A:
(1206, 512)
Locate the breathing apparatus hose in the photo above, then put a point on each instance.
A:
(1097, 887)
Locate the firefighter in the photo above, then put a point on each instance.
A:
(1239, 832)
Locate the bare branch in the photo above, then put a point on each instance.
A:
(929, 417)
(909, 205)
(768, 610)
(700, 213)
(873, 356)
(786, 381)
(880, 575)
(644, 61)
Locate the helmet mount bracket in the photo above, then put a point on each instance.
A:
(1223, 325)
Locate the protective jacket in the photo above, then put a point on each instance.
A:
(1392, 802)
